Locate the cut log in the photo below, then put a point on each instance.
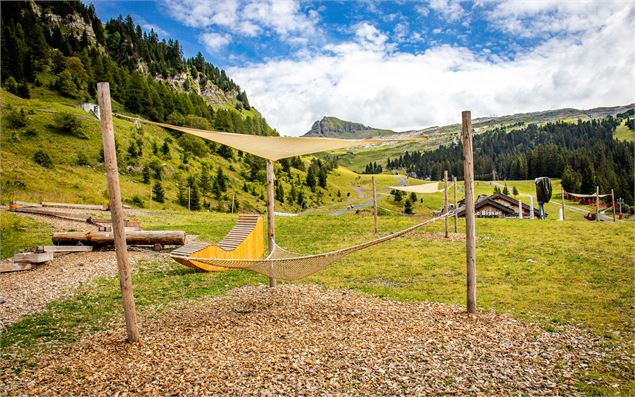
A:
(14, 267)
(64, 248)
(33, 257)
(41, 211)
(141, 237)
(109, 229)
(19, 204)
(96, 207)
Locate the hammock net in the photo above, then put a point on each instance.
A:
(286, 265)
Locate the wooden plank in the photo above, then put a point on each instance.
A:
(375, 204)
(14, 267)
(60, 215)
(470, 227)
(271, 232)
(95, 207)
(114, 198)
(33, 257)
(445, 201)
(64, 248)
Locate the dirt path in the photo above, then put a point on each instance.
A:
(29, 291)
(306, 340)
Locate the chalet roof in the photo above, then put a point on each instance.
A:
(484, 200)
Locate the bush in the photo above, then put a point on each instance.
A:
(42, 158)
(23, 91)
(81, 159)
(69, 124)
(137, 201)
(10, 85)
(30, 133)
(17, 119)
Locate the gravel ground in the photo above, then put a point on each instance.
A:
(306, 340)
(29, 291)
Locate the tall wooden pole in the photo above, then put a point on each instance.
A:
(116, 210)
(597, 204)
(613, 203)
(271, 226)
(375, 204)
(470, 229)
(456, 214)
(520, 209)
(562, 197)
(445, 201)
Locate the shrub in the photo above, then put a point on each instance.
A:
(137, 201)
(10, 85)
(17, 119)
(42, 158)
(68, 123)
(30, 133)
(23, 91)
(82, 159)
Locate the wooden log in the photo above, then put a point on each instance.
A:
(597, 203)
(141, 237)
(445, 202)
(271, 226)
(95, 207)
(470, 228)
(64, 248)
(562, 198)
(33, 257)
(15, 267)
(41, 211)
(613, 203)
(456, 213)
(17, 204)
(375, 204)
(116, 209)
(127, 229)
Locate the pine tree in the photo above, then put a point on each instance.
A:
(279, 195)
(515, 191)
(407, 208)
(506, 190)
(158, 192)
(397, 195)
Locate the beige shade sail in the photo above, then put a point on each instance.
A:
(425, 188)
(274, 147)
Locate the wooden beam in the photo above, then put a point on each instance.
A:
(470, 229)
(64, 248)
(456, 206)
(375, 204)
(116, 209)
(271, 226)
(445, 202)
(33, 257)
(15, 267)
(597, 203)
(562, 198)
(95, 207)
(613, 203)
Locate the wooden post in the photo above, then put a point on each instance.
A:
(597, 203)
(470, 229)
(520, 209)
(494, 175)
(375, 203)
(445, 201)
(233, 200)
(271, 227)
(456, 206)
(562, 197)
(613, 203)
(116, 210)
(531, 207)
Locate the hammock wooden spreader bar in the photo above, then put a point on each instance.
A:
(273, 147)
(286, 265)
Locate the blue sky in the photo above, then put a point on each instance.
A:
(404, 64)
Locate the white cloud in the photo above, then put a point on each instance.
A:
(246, 17)
(366, 81)
(214, 41)
(157, 29)
(451, 10)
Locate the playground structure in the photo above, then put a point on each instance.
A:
(279, 261)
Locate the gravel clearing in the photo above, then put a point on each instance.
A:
(307, 340)
(29, 291)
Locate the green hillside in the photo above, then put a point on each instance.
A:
(76, 171)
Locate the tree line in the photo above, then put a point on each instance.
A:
(148, 76)
(583, 154)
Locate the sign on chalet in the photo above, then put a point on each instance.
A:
(498, 205)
